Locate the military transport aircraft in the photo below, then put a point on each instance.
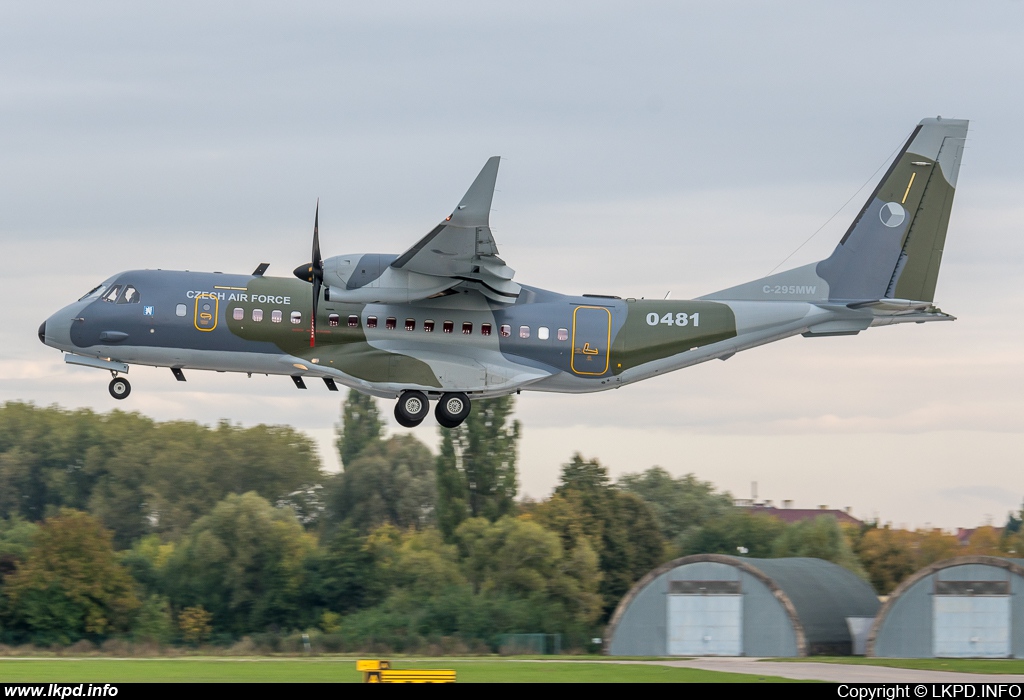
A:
(445, 321)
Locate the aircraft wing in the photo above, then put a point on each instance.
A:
(462, 247)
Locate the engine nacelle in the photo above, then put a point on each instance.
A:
(369, 278)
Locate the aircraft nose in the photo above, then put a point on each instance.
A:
(42, 332)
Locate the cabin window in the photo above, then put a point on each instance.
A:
(505, 330)
(410, 324)
(485, 329)
(371, 321)
(180, 310)
(111, 295)
(449, 326)
(391, 323)
(563, 333)
(543, 333)
(296, 317)
(353, 321)
(238, 313)
(428, 326)
(130, 296)
(524, 331)
(333, 320)
(257, 315)
(467, 328)
(276, 316)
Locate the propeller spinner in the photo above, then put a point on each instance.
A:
(313, 272)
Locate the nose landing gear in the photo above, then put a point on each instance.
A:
(119, 388)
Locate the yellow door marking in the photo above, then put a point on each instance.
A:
(912, 176)
(205, 317)
(587, 349)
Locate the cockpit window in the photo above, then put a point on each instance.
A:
(92, 293)
(130, 296)
(98, 291)
(111, 294)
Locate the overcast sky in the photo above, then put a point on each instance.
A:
(648, 147)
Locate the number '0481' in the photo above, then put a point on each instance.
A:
(671, 319)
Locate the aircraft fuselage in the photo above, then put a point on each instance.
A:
(445, 320)
(457, 342)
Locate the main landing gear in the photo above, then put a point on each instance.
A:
(119, 388)
(413, 406)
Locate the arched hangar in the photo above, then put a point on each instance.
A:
(719, 605)
(965, 607)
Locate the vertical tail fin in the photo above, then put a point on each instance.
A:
(894, 246)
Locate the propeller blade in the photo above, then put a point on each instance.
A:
(316, 269)
(317, 285)
(318, 263)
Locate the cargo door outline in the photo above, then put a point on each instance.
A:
(206, 312)
(591, 342)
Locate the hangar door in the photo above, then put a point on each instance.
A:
(705, 618)
(971, 619)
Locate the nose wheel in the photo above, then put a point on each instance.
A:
(452, 409)
(119, 388)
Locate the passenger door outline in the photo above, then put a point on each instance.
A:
(591, 340)
(206, 314)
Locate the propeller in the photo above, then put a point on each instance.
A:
(313, 272)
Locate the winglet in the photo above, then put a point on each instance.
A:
(475, 207)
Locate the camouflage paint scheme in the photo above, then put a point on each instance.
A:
(883, 272)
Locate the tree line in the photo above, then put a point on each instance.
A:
(114, 526)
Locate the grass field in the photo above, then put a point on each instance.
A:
(270, 670)
(960, 665)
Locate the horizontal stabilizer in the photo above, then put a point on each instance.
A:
(892, 305)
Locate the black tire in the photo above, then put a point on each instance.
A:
(402, 421)
(119, 388)
(452, 409)
(411, 409)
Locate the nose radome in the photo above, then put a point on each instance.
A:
(42, 332)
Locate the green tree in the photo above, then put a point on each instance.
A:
(620, 527)
(391, 481)
(519, 558)
(737, 532)
(192, 468)
(16, 536)
(138, 476)
(154, 622)
(1013, 537)
(71, 585)
(417, 563)
(680, 504)
(42, 457)
(888, 556)
(476, 467)
(821, 538)
(245, 563)
(339, 574)
(506, 576)
(360, 426)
